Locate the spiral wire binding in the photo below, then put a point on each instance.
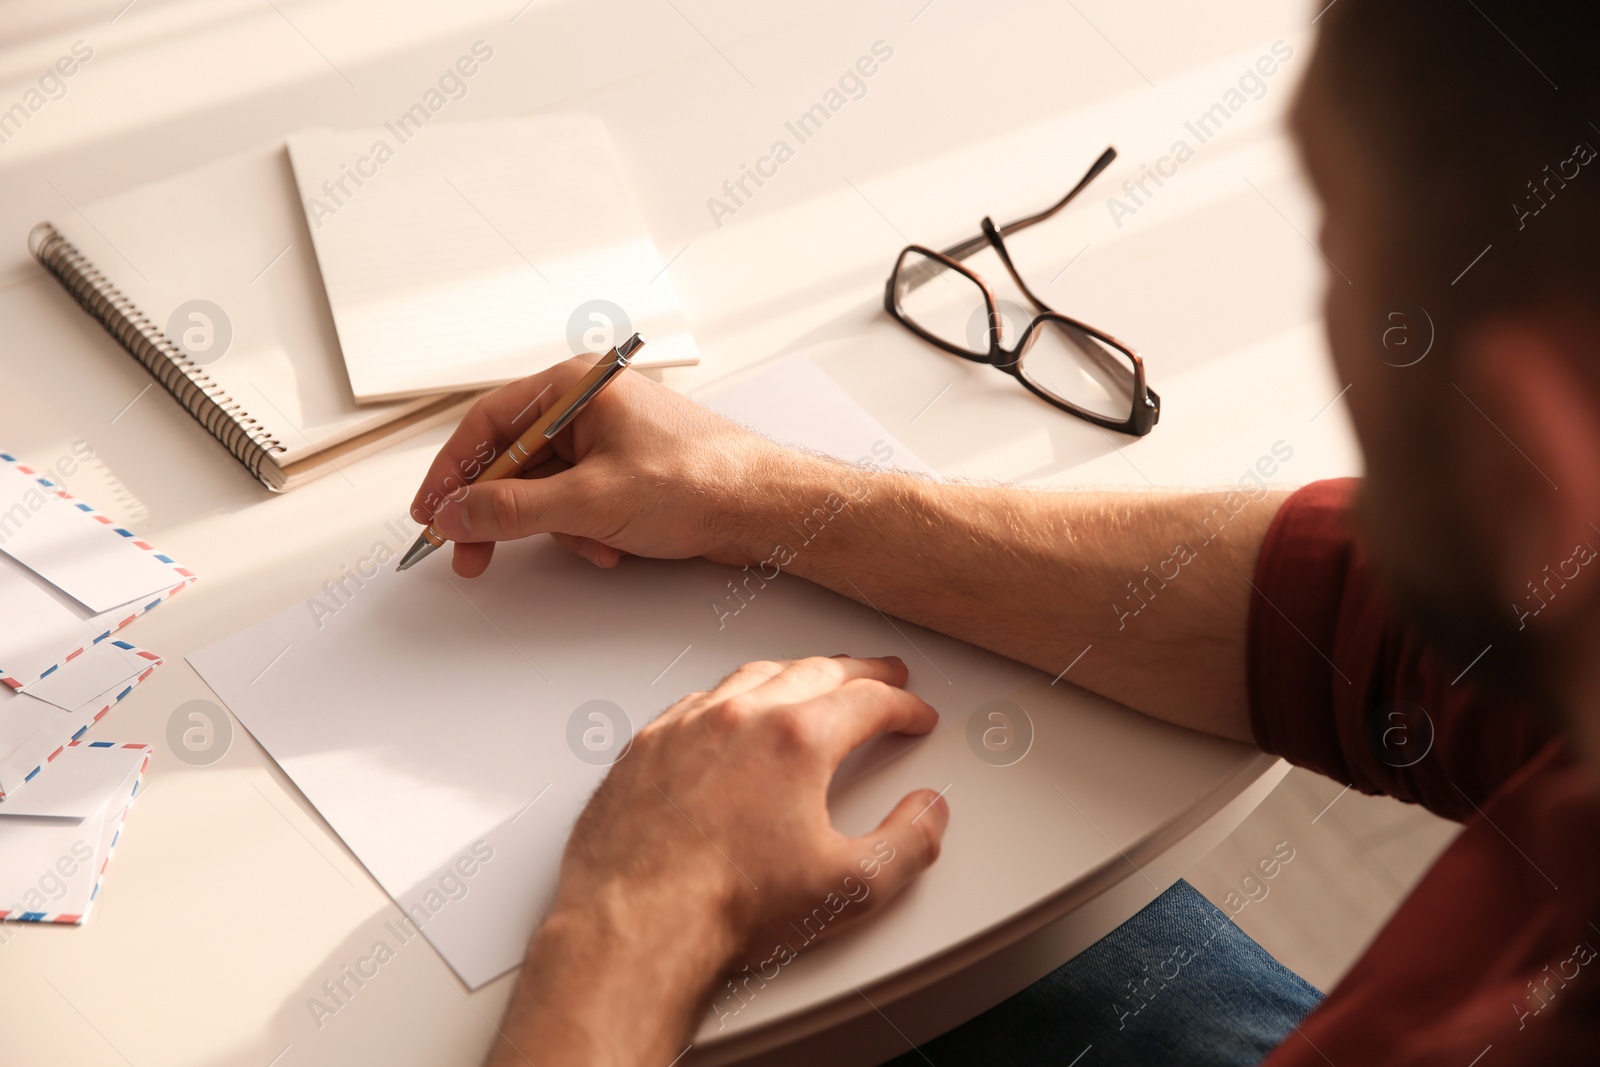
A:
(222, 416)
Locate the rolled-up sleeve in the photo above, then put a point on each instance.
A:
(1340, 685)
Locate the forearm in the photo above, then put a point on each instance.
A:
(1143, 594)
(608, 984)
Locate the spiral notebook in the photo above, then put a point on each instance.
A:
(209, 280)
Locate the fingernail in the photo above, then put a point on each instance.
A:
(840, 655)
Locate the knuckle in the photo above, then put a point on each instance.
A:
(873, 691)
(733, 711)
(792, 730)
(759, 668)
(820, 666)
(507, 510)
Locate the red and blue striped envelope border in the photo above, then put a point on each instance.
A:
(74, 919)
(76, 724)
(180, 576)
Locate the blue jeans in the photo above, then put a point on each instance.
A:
(1178, 983)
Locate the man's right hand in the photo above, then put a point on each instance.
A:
(643, 471)
(1037, 576)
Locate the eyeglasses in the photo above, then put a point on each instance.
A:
(1060, 360)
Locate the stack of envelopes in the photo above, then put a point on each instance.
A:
(70, 578)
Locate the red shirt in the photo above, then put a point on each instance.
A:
(1494, 958)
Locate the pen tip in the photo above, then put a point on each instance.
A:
(417, 551)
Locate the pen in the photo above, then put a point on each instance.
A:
(531, 444)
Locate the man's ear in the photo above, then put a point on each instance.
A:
(1533, 464)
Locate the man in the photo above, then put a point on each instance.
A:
(1452, 146)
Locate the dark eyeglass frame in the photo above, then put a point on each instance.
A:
(1146, 403)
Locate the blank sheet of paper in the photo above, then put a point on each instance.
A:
(427, 712)
(426, 716)
(796, 403)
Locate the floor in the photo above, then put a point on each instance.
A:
(1317, 869)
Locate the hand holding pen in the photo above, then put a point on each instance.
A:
(531, 446)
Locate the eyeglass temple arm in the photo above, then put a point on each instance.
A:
(968, 247)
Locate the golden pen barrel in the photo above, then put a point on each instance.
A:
(507, 463)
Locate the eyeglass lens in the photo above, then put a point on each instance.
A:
(1059, 359)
